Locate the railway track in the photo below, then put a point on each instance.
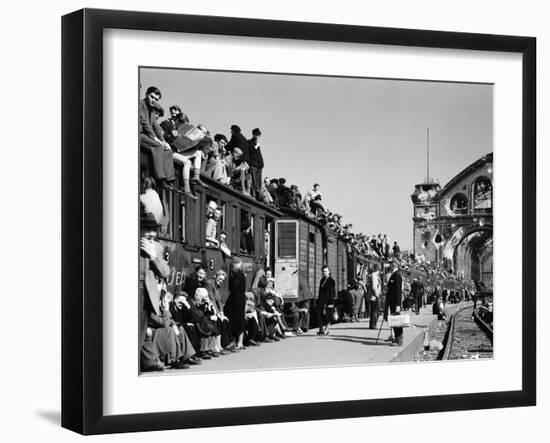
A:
(469, 336)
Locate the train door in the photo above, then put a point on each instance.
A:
(286, 258)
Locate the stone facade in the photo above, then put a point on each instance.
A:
(453, 225)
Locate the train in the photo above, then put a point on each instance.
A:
(294, 245)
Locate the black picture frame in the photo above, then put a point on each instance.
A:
(82, 219)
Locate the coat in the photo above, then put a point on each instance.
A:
(327, 291)
(148, 124)
(151, 271)
(239, 141)
(255, 155)
(395, 296)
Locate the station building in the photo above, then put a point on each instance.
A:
(453, 224)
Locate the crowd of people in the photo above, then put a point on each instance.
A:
(203, 321)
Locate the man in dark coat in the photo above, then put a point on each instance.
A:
(325, 301)
(284, 194)
(238, 141)
(256, 163)
(272, 189)
(417, 292)
(151, 138)
(394, 300)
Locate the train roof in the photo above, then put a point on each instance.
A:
(238, 195)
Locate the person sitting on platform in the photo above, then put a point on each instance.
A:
(206, 323)
(151, 139)
(214, 287)
(180, 309)
(195, 280)
(278, 305)
(297, 317)
(165, 340)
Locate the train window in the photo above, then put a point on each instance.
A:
(247, 233)
(286, 239)
(221, 221)
(181, 225)
(166, 228)
(312, 237)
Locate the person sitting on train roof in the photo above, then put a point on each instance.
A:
(284, 194)
(313, 200)
(195, 280)
(238, 140)
(265, 195)
(237, 170)
(296, 199)
(193, 156)
(216, 167)
(170, 125)
(272, 189)
(256, 162)
(151, 139)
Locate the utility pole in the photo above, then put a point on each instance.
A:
(427, 155)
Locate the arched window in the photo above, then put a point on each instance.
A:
(459, 204)
(483, 194)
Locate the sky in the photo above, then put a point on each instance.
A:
(362, 139)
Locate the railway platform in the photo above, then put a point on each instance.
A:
(347, 344)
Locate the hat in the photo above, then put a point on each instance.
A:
(256, 131)
(235, 128)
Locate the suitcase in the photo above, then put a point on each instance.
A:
(399, 321)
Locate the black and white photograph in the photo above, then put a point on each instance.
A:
(308, 221)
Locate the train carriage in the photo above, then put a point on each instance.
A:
(299, 256)
(183, 233)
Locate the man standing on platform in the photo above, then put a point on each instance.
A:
(417, 291)
(375, 292)
(325, 302)
(394, 299)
